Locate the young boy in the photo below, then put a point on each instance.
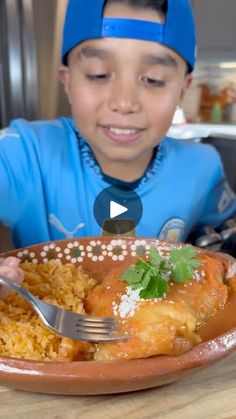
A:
(126, 66)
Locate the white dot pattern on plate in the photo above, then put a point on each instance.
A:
(95, 250)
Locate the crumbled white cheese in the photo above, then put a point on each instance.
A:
(127, 304)
(198, 276)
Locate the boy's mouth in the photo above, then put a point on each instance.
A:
(122, 134)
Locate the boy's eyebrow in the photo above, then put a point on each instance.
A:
(93, 52)
(166, 60)
(149, 59)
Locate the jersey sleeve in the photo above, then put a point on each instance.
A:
(14, 175)
(220, 203)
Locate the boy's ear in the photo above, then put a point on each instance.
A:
(64, 77)
(187, 81)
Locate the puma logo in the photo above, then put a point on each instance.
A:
(6, 132)
(59, 227)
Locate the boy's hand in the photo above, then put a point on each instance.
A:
(9, 269)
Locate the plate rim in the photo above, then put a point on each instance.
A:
(78, 372)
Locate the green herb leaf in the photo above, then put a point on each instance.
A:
(156, 288)
(183, 263)
(142, 264)
(185, 252)
(152, 276)
(130, 275)
(146, 279)
(155, 258)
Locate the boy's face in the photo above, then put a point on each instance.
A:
(124, 92)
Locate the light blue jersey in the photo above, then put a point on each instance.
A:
(49, 181)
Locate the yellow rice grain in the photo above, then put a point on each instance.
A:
(23, 335)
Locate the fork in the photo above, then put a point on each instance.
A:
(66, 323)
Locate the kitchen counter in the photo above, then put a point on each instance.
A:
(207, 394)
(188, 131)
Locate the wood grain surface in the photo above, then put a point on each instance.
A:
(208, 394)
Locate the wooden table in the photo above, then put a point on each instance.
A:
(208, 394)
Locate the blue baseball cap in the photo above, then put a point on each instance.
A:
(84, 20)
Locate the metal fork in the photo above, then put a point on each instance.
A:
(66, 323)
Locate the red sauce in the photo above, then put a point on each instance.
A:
(222, 322)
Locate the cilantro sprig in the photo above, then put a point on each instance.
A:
(152, 276)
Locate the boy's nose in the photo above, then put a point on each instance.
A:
(124, 98)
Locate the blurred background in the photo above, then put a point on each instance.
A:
(30, 41)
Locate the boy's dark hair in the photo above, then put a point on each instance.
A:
(157, 5)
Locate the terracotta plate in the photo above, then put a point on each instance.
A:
(97, 255)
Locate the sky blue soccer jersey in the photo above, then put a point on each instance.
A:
(49, 180)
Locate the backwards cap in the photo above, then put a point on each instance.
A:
(84, 20)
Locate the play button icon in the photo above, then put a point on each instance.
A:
(118, 210)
